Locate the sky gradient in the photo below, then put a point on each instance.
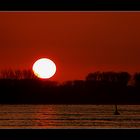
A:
(78, 42)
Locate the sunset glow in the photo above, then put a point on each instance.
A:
(44, 68)
(79, 42)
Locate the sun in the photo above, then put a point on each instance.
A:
(44, 68)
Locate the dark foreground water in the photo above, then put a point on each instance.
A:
(69, 116)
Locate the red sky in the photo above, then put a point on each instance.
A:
(78, 42)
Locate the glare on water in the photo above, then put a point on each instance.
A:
(69, 116)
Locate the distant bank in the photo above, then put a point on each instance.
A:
(22, 87)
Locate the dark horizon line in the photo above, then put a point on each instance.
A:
(28, 74)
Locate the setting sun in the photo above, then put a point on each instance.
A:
(44, 68)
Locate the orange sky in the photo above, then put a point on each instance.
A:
(78, 42)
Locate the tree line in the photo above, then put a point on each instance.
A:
(22, 86)
(121, 78)
(17, 74)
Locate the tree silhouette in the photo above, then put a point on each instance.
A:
(108, 84)
(17, 74)
(94, 77)
(137, 79)
(28, 74)
(97, 88)
(7, 74)
(123, 78)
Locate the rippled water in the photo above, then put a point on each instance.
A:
(69, 116)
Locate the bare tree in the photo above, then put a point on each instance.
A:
(7, 74)
(17, 74)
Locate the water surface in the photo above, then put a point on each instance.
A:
(69, 116)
